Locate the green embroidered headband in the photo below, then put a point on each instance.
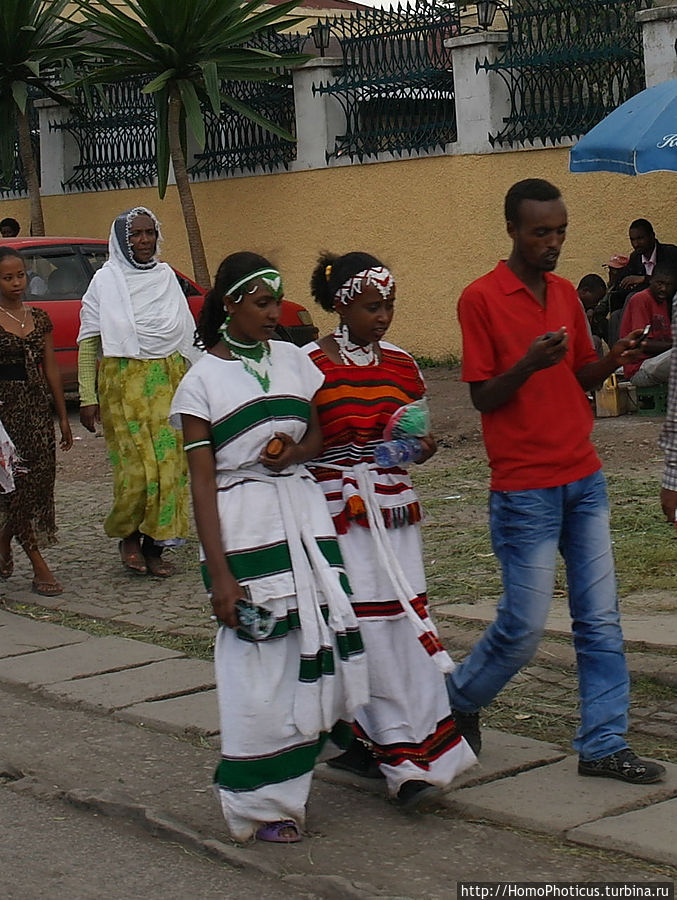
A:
(270, 277)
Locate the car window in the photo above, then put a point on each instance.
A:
(55, 273)
(95, 257)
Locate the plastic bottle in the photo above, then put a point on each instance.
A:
(395, 453)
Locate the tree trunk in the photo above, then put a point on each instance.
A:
(197, 250)
(30, 174)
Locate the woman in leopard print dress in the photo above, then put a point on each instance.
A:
(28, 375)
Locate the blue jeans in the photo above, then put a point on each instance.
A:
(527, 529)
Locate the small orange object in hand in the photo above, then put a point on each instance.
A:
(274, 448)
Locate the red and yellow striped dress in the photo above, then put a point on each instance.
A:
(408, 719)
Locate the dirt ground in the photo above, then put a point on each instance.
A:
(626, 444)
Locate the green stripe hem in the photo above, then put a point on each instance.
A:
(248, 565)
(250, 774)
(261, 410)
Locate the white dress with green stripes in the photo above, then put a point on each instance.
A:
(284, 702)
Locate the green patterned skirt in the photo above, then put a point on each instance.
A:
(150, 479)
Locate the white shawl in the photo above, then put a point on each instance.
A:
(140, 313)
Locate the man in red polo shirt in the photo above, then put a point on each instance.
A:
(529, 360)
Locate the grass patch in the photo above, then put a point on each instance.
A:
(647, 690)
(459, 561)
(195, 646)
(644, 545)
(449, 361)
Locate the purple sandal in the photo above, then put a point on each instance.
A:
(272, 832)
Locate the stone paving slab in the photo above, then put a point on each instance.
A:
(555, 799)
(89, 657)
(650, 833)
(156, 681)
(192, 713)
(502, 755)
(19, 635)
(659, 630)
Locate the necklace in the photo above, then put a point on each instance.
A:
(353, 354)
(21, 322)
(255, 357)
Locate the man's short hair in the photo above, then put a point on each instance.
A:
(11, 223)
(642, 225)
(529, 189)
(593, 282)
(665, 270)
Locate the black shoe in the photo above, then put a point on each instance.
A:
(419, 796)
(468, 725)
(624, 765)
(359, 760)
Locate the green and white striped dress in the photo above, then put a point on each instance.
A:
(286, 702)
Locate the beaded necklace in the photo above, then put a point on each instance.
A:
(255, 357)
(353, 354)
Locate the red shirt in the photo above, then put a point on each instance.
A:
(643, 309)
(540, 438)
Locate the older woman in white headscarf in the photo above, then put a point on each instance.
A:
(136, 317)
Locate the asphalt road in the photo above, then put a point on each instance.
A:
(52, 850)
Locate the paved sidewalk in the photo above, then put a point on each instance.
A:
(521, 783)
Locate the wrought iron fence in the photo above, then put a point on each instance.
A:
(235, 143)
(17, 184)
(567, 65)
(396, 88)
(115, 133)
(115, 136)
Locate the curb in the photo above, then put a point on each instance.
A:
(162, 825)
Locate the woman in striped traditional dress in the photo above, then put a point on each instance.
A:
(290, 678)
(407, 727)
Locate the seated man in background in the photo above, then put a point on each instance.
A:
(647, 253)
(592, 294)
(652, 307)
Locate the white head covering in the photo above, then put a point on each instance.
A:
(138, 308)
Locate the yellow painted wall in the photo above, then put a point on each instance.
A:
(437, 222)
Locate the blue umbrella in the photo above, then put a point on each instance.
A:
(640, 136)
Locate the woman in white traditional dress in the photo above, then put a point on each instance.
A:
(407, 728)
(135, 315)
(290, 666)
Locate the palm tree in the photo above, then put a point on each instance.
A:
(33, 43)
(186, 49)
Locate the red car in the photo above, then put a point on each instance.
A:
(59, 271)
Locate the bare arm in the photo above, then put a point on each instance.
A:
(225, 589)
(53, 377)
(622, 352)
(544, 352)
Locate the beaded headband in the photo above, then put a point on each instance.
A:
(378, 276)
(270, 277)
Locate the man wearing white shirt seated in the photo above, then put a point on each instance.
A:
(647, 252)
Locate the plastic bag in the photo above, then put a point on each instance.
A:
(412, 420)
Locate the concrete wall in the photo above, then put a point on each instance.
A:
(436, 221)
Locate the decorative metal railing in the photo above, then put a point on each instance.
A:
(115, 134)
(17, 184)
(396, 88)
(233, 142)
(567, 65)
